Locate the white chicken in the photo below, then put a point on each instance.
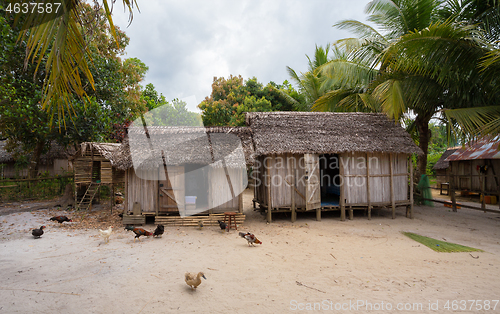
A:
(106, 233)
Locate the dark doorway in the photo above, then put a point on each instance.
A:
(196, 183)
(330, 179)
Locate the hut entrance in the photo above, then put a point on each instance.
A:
(330, 179)
(96, 171)
(197, 184)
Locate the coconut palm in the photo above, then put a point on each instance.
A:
(57, 38)
(419, 64)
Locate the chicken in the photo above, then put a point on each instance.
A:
(138, 232)
(106, 233)
(251, 239)
(200, 224)
(37, 232)
(60, 219)
(194, 280)
(222, 225)
(159, 231)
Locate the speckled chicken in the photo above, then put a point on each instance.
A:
(138, 232)
(251, 238)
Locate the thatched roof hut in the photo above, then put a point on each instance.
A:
(316, 145)
(327, 132)
(165, 166)
(184, 145)
(54, 161)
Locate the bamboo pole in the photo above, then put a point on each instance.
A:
(126, 196)
(411, 187)
(342, 186)
(368, 199)
(268, 186)
(483, 183)
(240, 203)
(393, 203)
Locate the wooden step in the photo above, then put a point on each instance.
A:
(210, 220)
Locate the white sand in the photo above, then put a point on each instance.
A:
(73, 271)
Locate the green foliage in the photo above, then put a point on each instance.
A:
(42, 189)
(113, 95)
(431, 161)
(232, 97)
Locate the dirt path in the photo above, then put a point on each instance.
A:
(299, 265)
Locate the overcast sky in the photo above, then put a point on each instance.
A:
(186, 43)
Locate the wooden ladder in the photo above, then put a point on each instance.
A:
(87, 198)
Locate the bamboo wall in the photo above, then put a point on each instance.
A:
(286, 167)
(380, 182)
(143, 191)
(219, 188)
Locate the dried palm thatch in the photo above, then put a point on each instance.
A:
(185, 145)
(442, 163)
(55, 151)
(326, 133)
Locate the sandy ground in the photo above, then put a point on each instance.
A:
(362, 266)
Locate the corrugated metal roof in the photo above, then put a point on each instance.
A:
(479, 150)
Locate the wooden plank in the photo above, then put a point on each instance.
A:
(313, 191)
(391, 158)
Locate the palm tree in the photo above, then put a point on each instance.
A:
(57, 38)
(418, 63)
(310, 84)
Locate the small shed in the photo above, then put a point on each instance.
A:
(174, 173)
(476, 167)
(93, 168)
(55, 161)
(318, 161)
(442, 166)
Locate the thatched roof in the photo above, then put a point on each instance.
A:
(56, 151)
(107, 150)
(185, 145)
(327, 132)
(442, 163)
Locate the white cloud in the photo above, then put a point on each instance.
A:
(187, 43)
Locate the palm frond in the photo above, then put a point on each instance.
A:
(477, 121)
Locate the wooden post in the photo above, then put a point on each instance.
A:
(411, 187)
(368, 199)
(483, 183)
(112, 196)
(351, 213)
(125, 196)
(240, 203)
(452, 188)
(294, 210)
(268, 186)
(393, 202)
(342, 186)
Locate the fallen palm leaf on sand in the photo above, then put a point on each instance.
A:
(440, 246)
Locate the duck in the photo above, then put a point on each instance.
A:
(37, 233)
(194, 280)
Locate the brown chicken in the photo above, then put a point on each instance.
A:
(139, 232)
(251, 239)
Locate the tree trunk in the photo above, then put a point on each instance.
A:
(35, 159)
(422, 124)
